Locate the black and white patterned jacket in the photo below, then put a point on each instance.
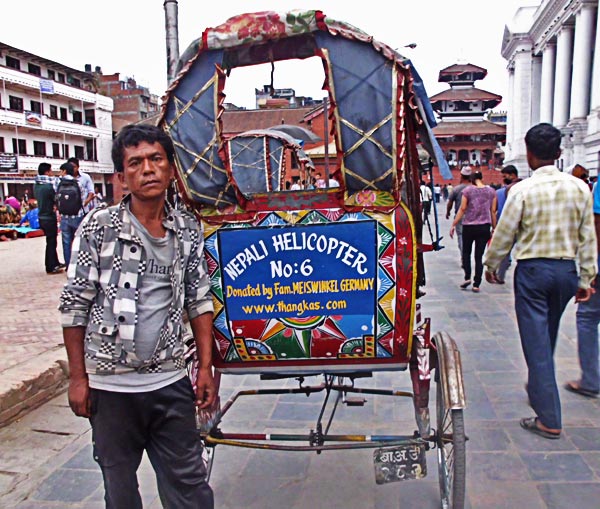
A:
(101, 292)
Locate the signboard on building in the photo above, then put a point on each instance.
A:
(46, 86)
(8, 162)
(32, 118)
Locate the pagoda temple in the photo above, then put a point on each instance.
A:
(464, 133)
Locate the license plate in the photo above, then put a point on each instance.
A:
(400, 463)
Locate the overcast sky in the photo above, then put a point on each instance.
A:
(128, 36)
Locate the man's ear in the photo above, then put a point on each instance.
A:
(121, 177)
(558, 154)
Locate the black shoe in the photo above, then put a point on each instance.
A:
(56, 270)
(61, 266)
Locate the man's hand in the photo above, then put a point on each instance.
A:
(205, 388)
(452, 232)
(583, 295)
(79, 397)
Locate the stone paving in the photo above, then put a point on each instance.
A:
(45, 457)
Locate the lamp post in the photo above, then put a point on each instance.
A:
(172, 37)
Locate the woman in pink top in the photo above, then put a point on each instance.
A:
(478, 214)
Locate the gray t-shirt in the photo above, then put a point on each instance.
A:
(154, 300)
(456, 196)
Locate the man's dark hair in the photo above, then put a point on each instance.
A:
(510, 170)
(543, 141)
(74, 161)
(43, 168)
(134, 134)
(68, 168)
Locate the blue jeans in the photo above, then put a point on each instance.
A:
(588, 318)
(543, 287)
(68, 227)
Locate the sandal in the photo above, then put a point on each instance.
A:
(465, 285)
(531, 424)
(573, 386)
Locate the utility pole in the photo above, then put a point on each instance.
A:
(172, 37)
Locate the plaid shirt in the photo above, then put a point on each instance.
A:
(102, 292)
(548, 215)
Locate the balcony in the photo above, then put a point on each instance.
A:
(17, 118)
(31, 81)
(30, 163)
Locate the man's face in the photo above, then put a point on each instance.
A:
(146, 171)
(509, 178)
(76, 170)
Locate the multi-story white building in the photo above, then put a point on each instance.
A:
(553, 54)
(48, 113)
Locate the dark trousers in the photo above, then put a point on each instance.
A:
(477, 234)
(543, 287)
(51, 232)
(162, 423)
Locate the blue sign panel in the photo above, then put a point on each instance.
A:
(299, 271)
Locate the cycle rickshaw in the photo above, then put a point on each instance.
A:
(322, 280)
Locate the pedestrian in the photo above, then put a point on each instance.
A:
(98, 198)
(86, 184)
(478, 214)
(588, 319)
(44, 192)
(510, 176)
(549, 219)
(32, 217)
(437, 192)
(426, 197)
(136, 266)
(445, 192)
(454, 201)
(69, 193)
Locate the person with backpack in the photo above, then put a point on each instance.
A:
(70, 206)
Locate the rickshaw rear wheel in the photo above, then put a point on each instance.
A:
(451, 450)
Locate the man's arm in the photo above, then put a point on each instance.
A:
(79, 388)
(588, 251)
(505, 233)
(205, 384)
(450, 204)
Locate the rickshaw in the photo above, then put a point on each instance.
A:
(321, 280)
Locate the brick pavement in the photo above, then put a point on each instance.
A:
(45, 458)
(30, 333)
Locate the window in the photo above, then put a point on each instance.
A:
(78, 152)
(19, 146)
(61, 77)
(1, 144)
(13, 63)
(51, 75)
(74, 82)
(53, 111)
(39, 148)
(90, 117)
(63, 113)
(77, 117)
(56, 150)
(65, 149)
(34, 69)
(36, 107)
(15, 103)
(90, 148)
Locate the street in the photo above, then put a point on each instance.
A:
(46, 456)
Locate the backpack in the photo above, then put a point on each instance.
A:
(68, 197)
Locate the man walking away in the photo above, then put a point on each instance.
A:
(510, 176)
(86, 184)
(136, 267)
(549, 219)
(44, 193)
(454, 200)
(588, 319)
(70, 207)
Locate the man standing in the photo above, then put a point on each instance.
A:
(455, 199)
(44, 193)
(86, 184)
(548, 217)
(426, 197)
(588, 318)
(137, 265)
(510, 176)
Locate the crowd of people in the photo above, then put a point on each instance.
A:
(57, 200)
